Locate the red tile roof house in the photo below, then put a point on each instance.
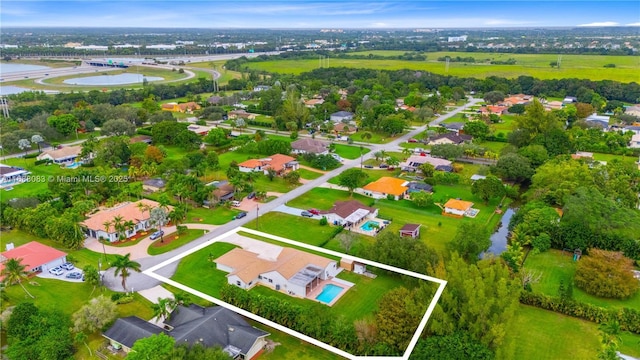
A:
(35, 256)
(278, 162)
(95, 223)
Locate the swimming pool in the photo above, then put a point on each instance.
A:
(370, 225)
(329, 292)
(73, 165)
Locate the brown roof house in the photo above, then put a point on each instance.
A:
(278, 162)
(294, 271)
(61, 155)
(138, 212)
(310, 146)
(449, 138)
(348, 213)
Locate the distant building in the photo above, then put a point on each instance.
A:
(635, 141)
(414, 162)
(386, 186)
(310, 146)
(601, 121)
(278, 162)
(259, 88)
(153, 185)
(461, 38)
(343, 116)
(11, 175)
(62, 155)
(449, 138)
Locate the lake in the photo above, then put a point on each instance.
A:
(10, 89)
(9, 68)
(120, 79)
(499, 238)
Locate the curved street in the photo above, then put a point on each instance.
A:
(139, 281)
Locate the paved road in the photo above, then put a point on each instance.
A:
(140, 281)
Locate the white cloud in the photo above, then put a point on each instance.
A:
(634, 24)
(602, 23)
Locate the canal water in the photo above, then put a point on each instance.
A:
(499, 238)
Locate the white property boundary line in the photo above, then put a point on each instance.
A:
(414, 340)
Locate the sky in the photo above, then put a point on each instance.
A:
(318, 14)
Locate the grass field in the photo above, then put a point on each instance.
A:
(217, 216)
(308, 231)
(536, 65)
(349, 152)
(556, 266)
(160, 248)
(308, 174)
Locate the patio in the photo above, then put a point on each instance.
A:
(368, 226)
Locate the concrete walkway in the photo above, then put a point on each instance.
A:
(155, 293)
(293, 211)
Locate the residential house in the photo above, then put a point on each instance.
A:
(456, 208)
(278, 162)
(194, 324)
(635, 141)
(312, 103)
(418, 187)
(294, 271)
(310, 146)
(410, 230)
(406, 107)
(342, 128)
(61, 155)
(518, 99)
(453, 126)
(241, 114)
(449, 138)
(199, 129)
(224, 191)
(476, 177)
(633, 110)
(582, 155)
(598, 120)
(351, 265)
(12, 175)
(138, 212)
(342, 116)
(493, 109)
(172, 106)
(35, 256)
(386, 186)
(348, 213)
(632, 128)
(141, 139)
(259, 88)
(187, 107)
(214, 100)
(570, 100)
(153, 185)
(554, 105)
(414, 162)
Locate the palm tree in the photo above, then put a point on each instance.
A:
(366, 135)
(163, 308)
(14, 272)
(123, 266)
(129, 225)
(406, 152)
(118, 225)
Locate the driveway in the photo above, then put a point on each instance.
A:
(293, 211)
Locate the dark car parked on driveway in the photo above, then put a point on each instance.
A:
(240, 215)
(306, 214)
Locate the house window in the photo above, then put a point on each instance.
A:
(259, 277)
(238, 283)
(250, 282)
(271, 281)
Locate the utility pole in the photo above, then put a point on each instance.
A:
(257, 215)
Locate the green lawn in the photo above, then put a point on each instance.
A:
(308, 174)
(198, 272)
(217, 216)
(376, 138)
(191, 235)
(610, 157)
(536, 65)
(556, 266)
(349, 152)
(506, 125)
(40, 177)
(308, 231)
(373, 175)
(494, 146)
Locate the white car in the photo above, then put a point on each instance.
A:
(57, 271)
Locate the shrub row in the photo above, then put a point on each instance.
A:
(40, 162)
(260, 123)
(31, 156)
(144, 132)
(629, 319)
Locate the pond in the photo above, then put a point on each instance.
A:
(10, 89)
(6, 68)
(499, 238)
(120, 79)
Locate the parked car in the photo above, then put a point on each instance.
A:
(369, 166)
(306, 214)
(156, 235)
(391, 168)
(57, 271)
(412, 140)
(67, 266)
(251, 195)
(383, 166)
(241, 215)
(74, 275)
(235, 203)
(314, 211)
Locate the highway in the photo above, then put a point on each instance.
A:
(141, 281)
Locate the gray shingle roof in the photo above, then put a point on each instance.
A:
(128, 330)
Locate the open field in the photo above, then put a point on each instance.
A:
(350, 152)
(536, 65)
(556, 266)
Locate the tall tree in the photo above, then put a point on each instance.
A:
(536, 120)
(488, 188)
(155, 347)
(352, 179)
(123, 266)
(470, 241)
(14, 272)
(95, 315)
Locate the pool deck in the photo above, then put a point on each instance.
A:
(357, 228)
(337, 282)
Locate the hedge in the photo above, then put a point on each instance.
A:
(144, 132)
(31, 156)
(629, 319)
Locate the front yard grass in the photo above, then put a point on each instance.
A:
(308, 174)
(158, 247)
(216, 216)
(350, 152)
(41, 175)
(306, 230)
(376, 138)
(556, 266)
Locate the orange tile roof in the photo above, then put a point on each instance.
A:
(275, 161)
(387, 185)
(128, 211)
(33, 254)
(247, 265)
(458, 204)
(251, 163)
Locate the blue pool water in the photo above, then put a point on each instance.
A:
(73, 165)
(368, 225)
(329, 292)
